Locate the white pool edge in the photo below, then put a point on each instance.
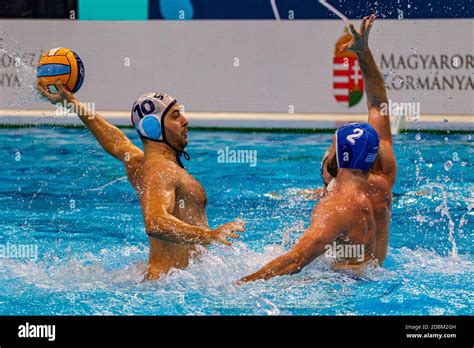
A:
(13, 117)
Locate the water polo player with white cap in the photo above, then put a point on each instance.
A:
(173, 202)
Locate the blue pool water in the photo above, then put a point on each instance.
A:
(62, 193)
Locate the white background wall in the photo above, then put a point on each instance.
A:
(281, 63)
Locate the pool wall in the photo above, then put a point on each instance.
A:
(244, 121)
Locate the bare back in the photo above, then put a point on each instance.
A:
(360, 229)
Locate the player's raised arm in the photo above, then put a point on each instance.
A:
(377, 101)
(374, 85)
(112, 139)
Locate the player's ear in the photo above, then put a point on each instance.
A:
(332, 166)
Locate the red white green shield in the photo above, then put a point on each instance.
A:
(348, 86)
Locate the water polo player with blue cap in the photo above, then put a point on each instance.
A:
(359, 172)
(148, 117)
(345, 216)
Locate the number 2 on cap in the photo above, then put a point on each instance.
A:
(357, 134)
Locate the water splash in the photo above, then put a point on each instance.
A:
(207, 286)
(102, 187)
(448, 165)
(443, 209)
(25, 68)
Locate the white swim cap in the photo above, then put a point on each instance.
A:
(148, 113)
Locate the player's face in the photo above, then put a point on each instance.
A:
(176, 128)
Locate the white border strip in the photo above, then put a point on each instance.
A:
(333, 10)
(275, 9)
(242, 120)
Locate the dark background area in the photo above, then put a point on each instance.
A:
(37, 8)
(257, 9)
(312, 9)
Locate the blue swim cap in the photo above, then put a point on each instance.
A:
(356, 146)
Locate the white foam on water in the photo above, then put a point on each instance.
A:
(430, 262)
(215, 270)
(209, 281)
(85, 271)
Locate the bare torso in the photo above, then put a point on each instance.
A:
(189, 206)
